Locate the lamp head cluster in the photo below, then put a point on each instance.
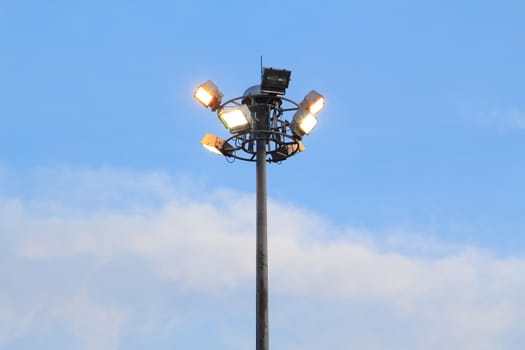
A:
(258, 115)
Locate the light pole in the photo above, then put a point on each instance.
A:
(260, 133)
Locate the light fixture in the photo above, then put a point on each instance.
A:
(217, 145)
(286, 151)
(236, 118)
(275, 81)
(313, 102)
(303, 122)
(209, 95)
(305, 119)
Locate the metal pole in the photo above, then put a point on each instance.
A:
(261, 323)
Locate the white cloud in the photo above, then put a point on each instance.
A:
(75, 261)
(96, 326)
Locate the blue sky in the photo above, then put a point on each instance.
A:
(400, 227)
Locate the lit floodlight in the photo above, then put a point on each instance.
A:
(308, 123)
(303, 122)
(313, 102)
(236, 118)
(275, 81)
(305, 119)
(217, 145)
(286, 151)
(209, 95)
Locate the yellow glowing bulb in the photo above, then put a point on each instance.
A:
(203, 96)
(317, 106)
(308, 123)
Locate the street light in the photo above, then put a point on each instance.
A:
(260, 133)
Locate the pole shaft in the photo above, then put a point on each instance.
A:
(262, 250)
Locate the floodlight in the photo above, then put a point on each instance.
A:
(275, 81)
(217, 145)
(209, 95)
(286, 151)
(313, 102)
(303, 122)
(305, 118)
(236, 118)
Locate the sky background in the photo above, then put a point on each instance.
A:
(401, 226)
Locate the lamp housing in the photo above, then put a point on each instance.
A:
(305, 119)
(286, 151)
(303, 122)
(209, 95)
(275, 81)
(313, 102)
(217, 145)
(238, 118)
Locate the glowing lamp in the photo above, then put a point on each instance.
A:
(313, 102)
(236, 118)
(303, 123)
(209, 95)
(216, 145)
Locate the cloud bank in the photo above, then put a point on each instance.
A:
(111, 259)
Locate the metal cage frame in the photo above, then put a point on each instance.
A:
(269, 125)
